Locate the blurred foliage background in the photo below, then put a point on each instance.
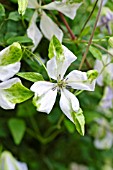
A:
(51, 142)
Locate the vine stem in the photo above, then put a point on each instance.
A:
(91, 37)
(102, 48)
(88, 19)
(73, 37)
(38, 59)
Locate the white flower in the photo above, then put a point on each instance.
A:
(47, 26)
(105, 68)
(46, 92)
(8, 162)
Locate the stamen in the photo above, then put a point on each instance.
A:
(66, 79)
(68, 87)
(54, 88)
(59, 77)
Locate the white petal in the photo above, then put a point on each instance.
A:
(49, 28)
(33, 32)
(68, 9)
(68, 103)
(33, 4)
(21, 165)
(59, 69)
(41, 87)
(45, 95)
(9, 71)
(78, 80)
(104, 143)
(4, 102)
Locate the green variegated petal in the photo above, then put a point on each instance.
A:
(79, 121)
(57, 67)
(33, 32)
(68, 103)
(5, 102)
(68, 9)
(49, 28)
(9, 61)
(11, 54)
(11, 92)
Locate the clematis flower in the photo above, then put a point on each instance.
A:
(47, 26)
(46, 92)
(8, 162)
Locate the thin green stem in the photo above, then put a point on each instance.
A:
(78, 92)
(41, 138)
(88, 18)
(39, 60)
(91, 37)
(102, 48)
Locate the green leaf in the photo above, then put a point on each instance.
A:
(14, 16)
(110, 41)
(18, 93)
(17, 128)
(31, 76)
(24, 111)
(2, 11)
(69, 125)
(11, 54)
(20, 39)
(55, 49)
(79, 121)
(95, 52)
(22, 5)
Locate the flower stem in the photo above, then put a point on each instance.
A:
(73, 37)
(91, 37)
(39, 60)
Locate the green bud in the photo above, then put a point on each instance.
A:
(92, 75)
(22, 5)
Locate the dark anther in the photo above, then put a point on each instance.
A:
(54, 88)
